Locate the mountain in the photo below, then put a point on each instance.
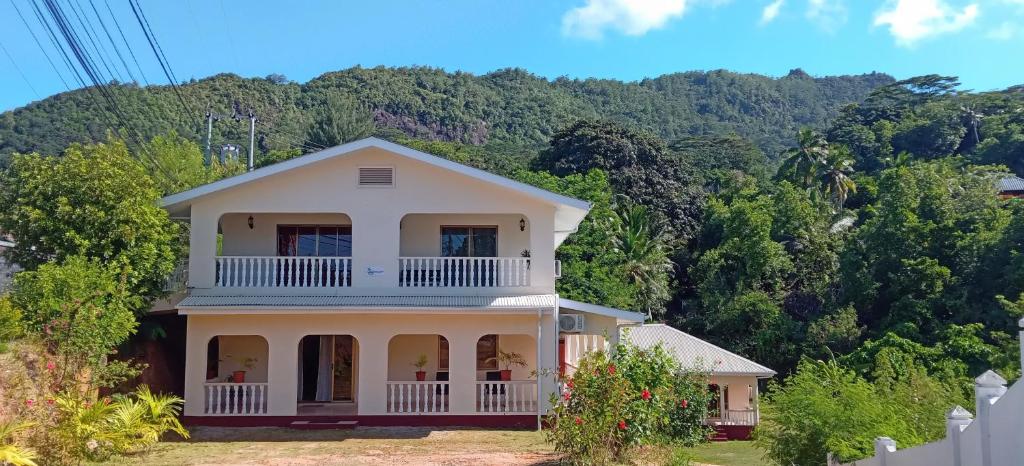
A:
(508, 106)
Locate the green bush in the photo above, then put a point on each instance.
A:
(615, 404)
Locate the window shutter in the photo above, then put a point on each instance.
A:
(376, 176)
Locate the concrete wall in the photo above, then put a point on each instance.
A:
(374, 332)
(375, 214)
(739, 395)
(234, 349)
(261, 240)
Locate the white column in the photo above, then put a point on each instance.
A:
(462, 372)
(373, 374)
(196, 340)
(282, 374)
(987, 389)
(883, 446)
(376, 237)
(957, 419)
(202, 248)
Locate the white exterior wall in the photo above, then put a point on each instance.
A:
(421, 233)
(739, 396)
(373, 332)
(234, 349)
(330, 186)
(261, 240)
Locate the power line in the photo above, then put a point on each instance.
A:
(60, 49)
(16, 67)
(40, 45)
(111, 39)
(126, 44)
(100, 52)
(151, 38)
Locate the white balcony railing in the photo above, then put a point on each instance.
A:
(506, 397)
(735, 417)
(283, 272)
(235, 399)
(178, 279)
(464, 272)
(417, 397)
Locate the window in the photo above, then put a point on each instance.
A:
(314, 240)
(487, 353)
(469, 241)
(442, 353)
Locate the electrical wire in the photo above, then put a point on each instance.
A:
(40, 45)
(127, 45)
(18, 68)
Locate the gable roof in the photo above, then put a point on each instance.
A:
(1011, 183)
(692, 351)
(569, 211)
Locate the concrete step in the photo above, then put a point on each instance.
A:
(323, 425)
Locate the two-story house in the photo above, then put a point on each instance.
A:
(374, 283)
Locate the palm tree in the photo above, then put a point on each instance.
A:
(646, 255)
(801, 163)
(835, 175)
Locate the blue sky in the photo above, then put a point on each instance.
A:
(979, 40)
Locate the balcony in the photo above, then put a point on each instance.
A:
(283, 272)
(463, 272)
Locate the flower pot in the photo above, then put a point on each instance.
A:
(421, 376)
(506, 375)
(238, 376)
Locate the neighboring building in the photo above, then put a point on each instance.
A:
(7, 270)
(315, 286)
(1011, 187)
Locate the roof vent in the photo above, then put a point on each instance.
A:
(376, 176)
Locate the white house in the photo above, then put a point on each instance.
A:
(374, 283)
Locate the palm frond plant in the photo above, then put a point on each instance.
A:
(162, 411)
(645, 250)
(10, 452)
(800, 164)
(835, 174)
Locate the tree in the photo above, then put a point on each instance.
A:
(835, 175)
(638, 166)
(643, 246)
(340, 119)
(177, 164)
(800, 164)
(96, 201)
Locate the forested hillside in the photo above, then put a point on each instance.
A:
(506, 106)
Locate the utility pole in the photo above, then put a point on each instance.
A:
(252, 140)
(210, 118)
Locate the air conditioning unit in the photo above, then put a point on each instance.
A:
(570, 323)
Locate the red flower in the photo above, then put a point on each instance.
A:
(579, 421)
(50, 366)
(611, 369)
(570, 384)
(646, 395)
(29, 402)
(683, 404)
(622, 425)
(49, 401)
(567, 395)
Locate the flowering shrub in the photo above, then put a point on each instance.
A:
(614, 403)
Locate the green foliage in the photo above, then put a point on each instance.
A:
(11, 325)
(638, 165)
(825, 408)
(338, 120)
(177, 164)
(81, 310)
(502, 159)
(642, 244)
(10, 452)
(95, 201)
(614, 404)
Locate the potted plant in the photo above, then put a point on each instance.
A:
(419, 364)
(507, 359)
(239, 376)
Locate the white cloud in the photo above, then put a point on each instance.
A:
(771, 11)
(1004, 31)
(912, 20)
(631, 17)
(828, 15)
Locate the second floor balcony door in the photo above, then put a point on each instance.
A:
(320, 241)
(470, 242)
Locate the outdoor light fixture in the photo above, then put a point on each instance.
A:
(251, 223)
(522, 224)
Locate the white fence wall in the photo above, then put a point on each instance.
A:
(994, 438)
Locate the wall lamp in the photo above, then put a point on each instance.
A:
(252, 224)
(522, 224)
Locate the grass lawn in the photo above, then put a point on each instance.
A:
(387, 446)
(735, 453)
(362, 446)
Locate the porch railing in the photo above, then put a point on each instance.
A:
(283, 272)
(235, 399)
(178, 279)
(464, 272)
(428, 397)
(506, 397)
(735, 417)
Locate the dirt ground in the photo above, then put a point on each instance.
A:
(362, 446)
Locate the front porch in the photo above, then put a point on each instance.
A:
(381, 369)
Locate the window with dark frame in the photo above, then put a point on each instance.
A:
(442, 353)
(469, 241)
(314, 240)
(487, 353)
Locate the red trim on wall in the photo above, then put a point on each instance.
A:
(509, 421)
(736, 432)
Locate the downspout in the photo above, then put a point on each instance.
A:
(540, 315)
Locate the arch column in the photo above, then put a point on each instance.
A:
(196, 341)
(282, 370)
(462, 373)
(373, 374)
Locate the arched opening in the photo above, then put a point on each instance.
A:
(328, 368)
(506, 373)
(237, 359)
(418, 380)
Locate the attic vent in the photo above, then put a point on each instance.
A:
(376, 176)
